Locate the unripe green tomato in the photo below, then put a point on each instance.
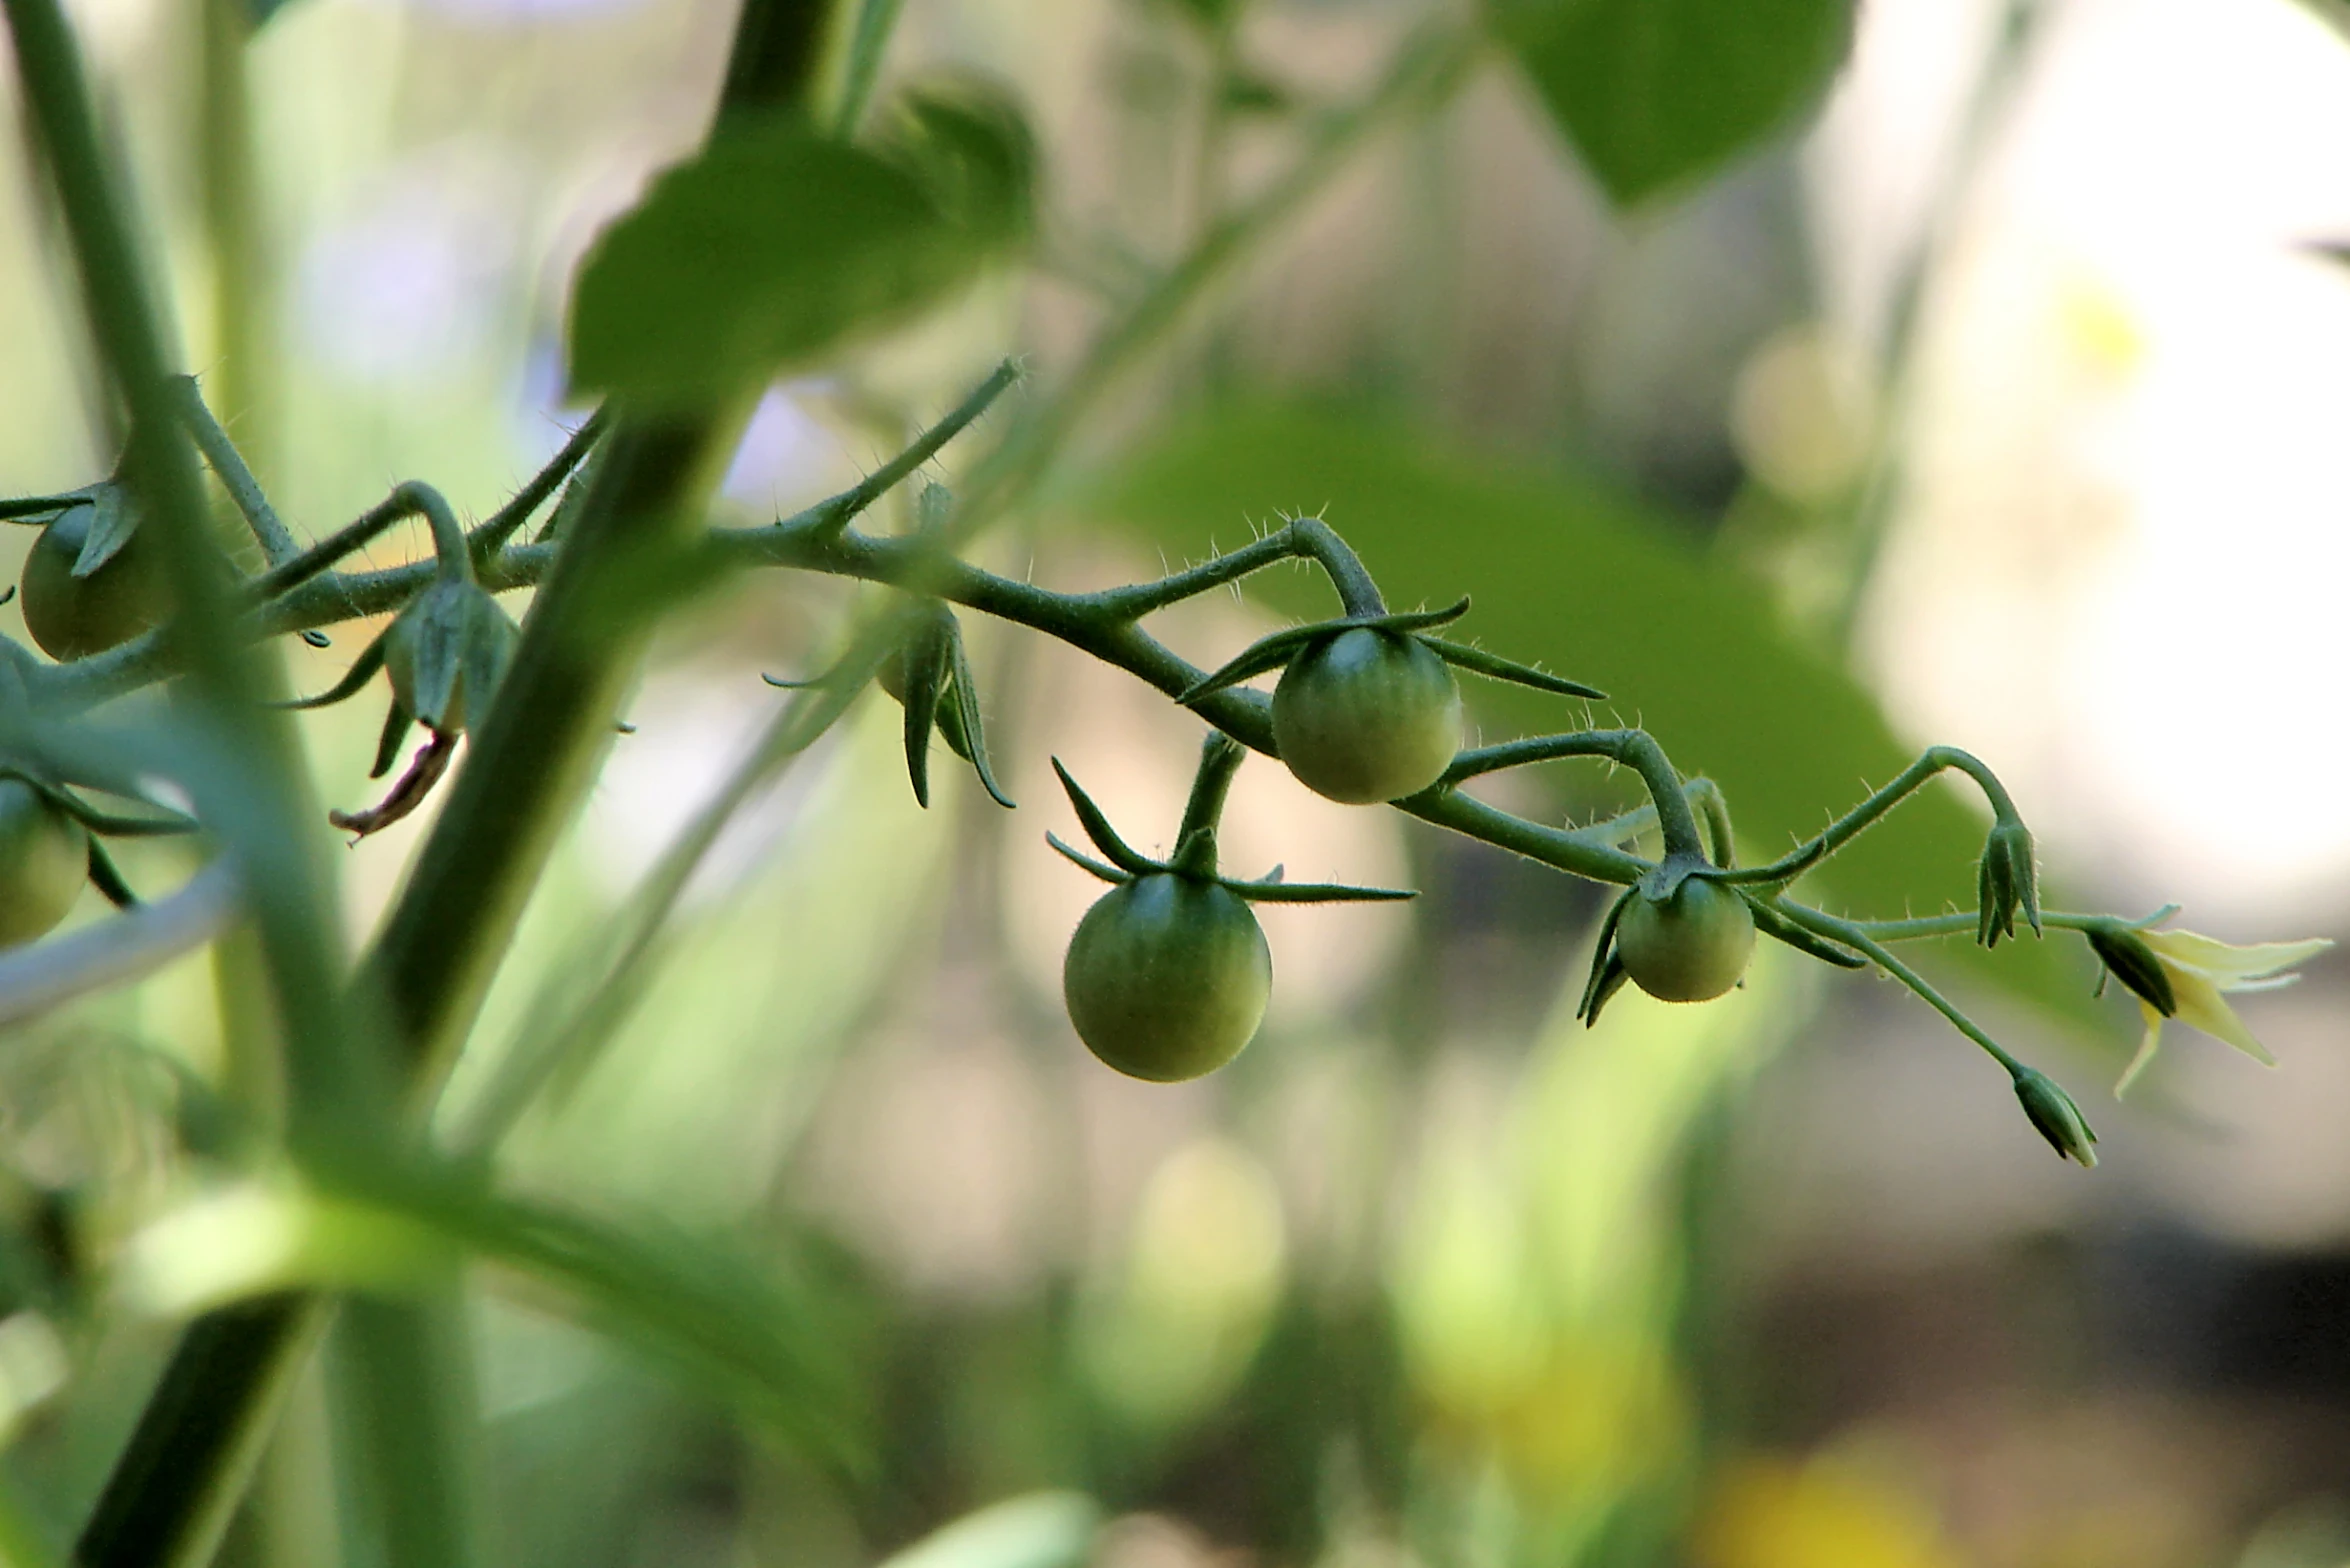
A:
(1692, 947)
(44, 859)
(73, 617)
(1366, 716)
(1167, 977)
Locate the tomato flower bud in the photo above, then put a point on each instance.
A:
(2006, 882)
(2055, 1116)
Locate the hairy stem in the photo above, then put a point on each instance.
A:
(1855, 935)
(222, 456)
(1635, 749)
(1911, 779)
(492, 535)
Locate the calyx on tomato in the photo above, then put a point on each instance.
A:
(446, 653)
(1168, 974)
(930, 675)
(1366, 709)
(49, 847)
(88, 585)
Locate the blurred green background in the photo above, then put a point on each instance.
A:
(1997, 405)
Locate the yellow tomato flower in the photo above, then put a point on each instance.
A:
(2201, 968)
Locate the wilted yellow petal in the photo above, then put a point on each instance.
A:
(2138, 1063)
(2225, 964)
(2200, 1007)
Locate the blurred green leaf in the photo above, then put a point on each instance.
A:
(744, 1332)
(1598, 587)
(1040, 1530)
(968, 146)
(1655, 92)
(1214, 15)
(777, 243)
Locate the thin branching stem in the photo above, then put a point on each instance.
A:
(1909, 781)
(1635, 749)
(834, 514)
(1965, 922)
(492, 535)
(1858, 936)
(225, 461)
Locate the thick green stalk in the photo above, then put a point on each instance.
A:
(534, 756)
(192, 1452)
(251, 780)
(174, 1488)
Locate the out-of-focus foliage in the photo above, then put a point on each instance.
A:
(776, 243)
(1654, 93)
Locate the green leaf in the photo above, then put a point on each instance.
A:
(1212, 16)
(725, 1320)
(1040, 1530)
(1573, 576)
(776, 244)
(965, 142)
(1654, 93)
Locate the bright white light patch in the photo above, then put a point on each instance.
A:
(2120, 571)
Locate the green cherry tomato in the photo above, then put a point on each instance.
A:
(1367, 716)
(73, 617)
(1691, 947)
(1167, 977)
(44, 859)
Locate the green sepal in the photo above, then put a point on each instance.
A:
(362, 670)
(950, 722)
(1664, 879)
(1195, 855)
(1107, 873)
(823, 677)
(397, 723)
(107, 878)
(457, 642)
(1272, 891)
(927, 660)
(964, 716)
(165, 825)
(1599, 986)
(116, 519)
(1275, 649)
(1771, 923)
(934, 508)
(39, 511)
(1494, 667)
(2133, 963)
(436, 621)
(1097, 827)
(2006, 881)
(1606, 982)
(489, 648)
